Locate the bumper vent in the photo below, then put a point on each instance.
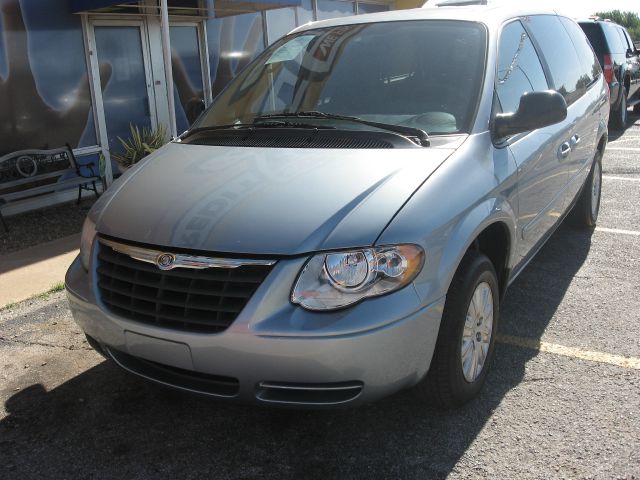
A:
(312, 394)
(196, 300)
(216, 385)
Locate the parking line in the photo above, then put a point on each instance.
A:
(617, 230)
(627, 179)
(600, 357)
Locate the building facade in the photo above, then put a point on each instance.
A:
(80, 72)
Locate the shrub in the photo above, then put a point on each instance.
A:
(141, 143)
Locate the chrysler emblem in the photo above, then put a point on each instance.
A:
(165, 261)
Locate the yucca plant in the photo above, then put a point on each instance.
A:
(141, 143)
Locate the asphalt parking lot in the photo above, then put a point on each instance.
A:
(562, 401)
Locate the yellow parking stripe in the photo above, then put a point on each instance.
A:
(617, 230)
(600, 357)
(626, 179)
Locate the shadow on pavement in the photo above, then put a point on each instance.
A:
(105, 423)
(615, 134)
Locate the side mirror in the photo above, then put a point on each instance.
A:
(536, 110)
(631, 53)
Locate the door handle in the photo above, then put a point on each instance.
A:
(575, 140)
(565, 150)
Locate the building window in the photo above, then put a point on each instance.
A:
(335, 8)
(372, 8)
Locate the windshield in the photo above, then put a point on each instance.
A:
(425, 74)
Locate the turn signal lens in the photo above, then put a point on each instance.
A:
(86, 242)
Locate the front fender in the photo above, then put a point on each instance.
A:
(490, 211)
(475, 188)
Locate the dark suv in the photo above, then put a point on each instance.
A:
(620, 62)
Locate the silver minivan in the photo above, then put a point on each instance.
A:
(344, 220)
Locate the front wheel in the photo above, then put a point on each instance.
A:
(466, 339)
(585, 212)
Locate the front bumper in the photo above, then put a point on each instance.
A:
(274, 351)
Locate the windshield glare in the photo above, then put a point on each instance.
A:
(424, 74)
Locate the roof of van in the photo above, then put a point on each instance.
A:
(490, 15)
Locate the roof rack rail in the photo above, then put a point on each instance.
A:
(460, 3)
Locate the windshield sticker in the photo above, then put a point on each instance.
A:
(290, 50)
(328, 48)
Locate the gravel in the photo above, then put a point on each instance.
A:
(43, 225)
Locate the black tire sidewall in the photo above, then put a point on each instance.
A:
(456, 390)
(597, 162)
(621, 115)
(582, 214)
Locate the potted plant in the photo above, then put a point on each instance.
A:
(140, 143)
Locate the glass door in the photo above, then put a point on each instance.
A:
(188, 62)
(125, 91)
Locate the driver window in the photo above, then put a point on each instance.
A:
(519, 68)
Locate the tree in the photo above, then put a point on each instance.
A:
(630, 20)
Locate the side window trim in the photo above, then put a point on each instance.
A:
(543, 61)
(496, 100)
(593, 80)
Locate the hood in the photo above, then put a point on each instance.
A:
(264, 201)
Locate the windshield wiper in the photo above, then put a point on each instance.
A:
(254, 125)
(415, 134)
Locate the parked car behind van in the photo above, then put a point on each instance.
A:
(344, 220)
(620, 60)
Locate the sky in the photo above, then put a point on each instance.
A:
(582, 8)
(577, 8)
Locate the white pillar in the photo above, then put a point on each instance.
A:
(166, 53)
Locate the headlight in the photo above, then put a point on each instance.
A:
(334, 280)
(86, 241)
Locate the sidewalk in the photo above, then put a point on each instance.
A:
(35, 270)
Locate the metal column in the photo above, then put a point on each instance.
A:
(166, 53)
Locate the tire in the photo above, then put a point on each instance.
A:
(449, 382)
(585, 211)
(621, 116)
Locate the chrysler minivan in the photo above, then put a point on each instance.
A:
(344, 220)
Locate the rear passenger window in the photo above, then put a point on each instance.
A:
(623, 39)
(629, 41)
(519, 68)
(616, 45)
(558, 50)
(588, 60)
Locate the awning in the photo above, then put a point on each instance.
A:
(221, 8)
(77, 6)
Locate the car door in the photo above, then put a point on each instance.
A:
(633, 63)
(542, 171)
(586, 109)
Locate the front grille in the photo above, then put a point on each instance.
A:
(206, 300)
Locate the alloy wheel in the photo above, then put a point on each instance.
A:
(476, 336)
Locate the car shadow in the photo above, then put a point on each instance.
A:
(105, 423)
(615, 134)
